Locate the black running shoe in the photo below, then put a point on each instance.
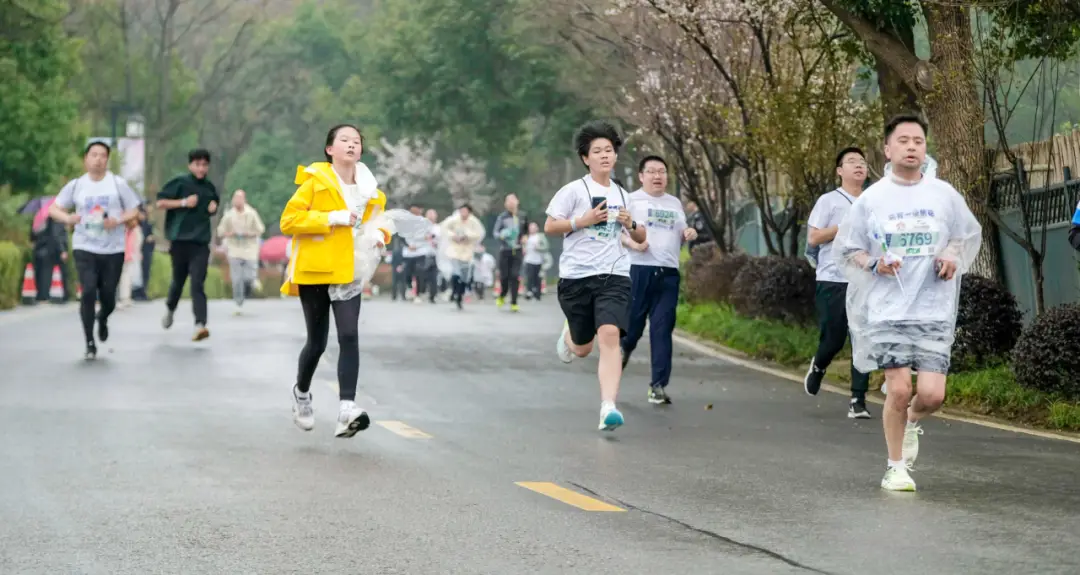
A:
(657, 396)
(857, 409)
(812, 381)
(91, 350)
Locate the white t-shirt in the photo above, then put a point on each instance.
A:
(596, 250)
(916, 222)
(533, 254)
(108, 197)
(829, 211)
(664, 221)
(485, 270)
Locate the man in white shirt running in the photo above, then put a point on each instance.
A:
(654, 271)
(594, 271)
(830, 293)
(102, 204)
(904, 245)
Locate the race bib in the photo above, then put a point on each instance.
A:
(606, 230)
(661, 219)
(94, 223)
(913, 236)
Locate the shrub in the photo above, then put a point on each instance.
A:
(775, 288)
(712, 280)
(988, 323)
(12, 262)
(1047, 355)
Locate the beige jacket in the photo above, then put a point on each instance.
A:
(246, 228)
(460, 237)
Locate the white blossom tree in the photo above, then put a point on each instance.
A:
(467, 182)
(406, 169)
(409, 168)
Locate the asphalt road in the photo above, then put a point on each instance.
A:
(166, 456)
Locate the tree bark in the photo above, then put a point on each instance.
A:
(956, 116)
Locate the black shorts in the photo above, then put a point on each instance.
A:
(593, 301)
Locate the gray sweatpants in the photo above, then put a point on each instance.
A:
(243, 272)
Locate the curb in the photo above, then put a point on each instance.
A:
(735, 357)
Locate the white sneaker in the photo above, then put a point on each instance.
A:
(911, 443)
(303, 412)
(563, 350)
(351, 420)
(897, 479)
(610, 417)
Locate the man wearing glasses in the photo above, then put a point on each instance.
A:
(654, 271)
(831, 289)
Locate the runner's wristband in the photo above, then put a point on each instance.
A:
(573, 225)
(873, 266)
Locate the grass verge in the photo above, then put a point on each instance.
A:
(991, 392)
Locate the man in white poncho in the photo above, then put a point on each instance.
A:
(904, 246)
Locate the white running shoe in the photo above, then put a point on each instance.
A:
(911, 443)
(610, 417)
(563, 350)
(897, 479)
(351, 420)
(303, 412)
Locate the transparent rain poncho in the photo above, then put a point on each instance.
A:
(908, 319)
(368, 237)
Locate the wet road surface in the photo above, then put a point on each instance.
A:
(166, 456)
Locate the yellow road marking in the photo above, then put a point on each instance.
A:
(568, 497)
(403, 430)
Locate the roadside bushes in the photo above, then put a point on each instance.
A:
(770, 287)
(1047, 355)
(988, 323)
(12, 262)
(776, 288)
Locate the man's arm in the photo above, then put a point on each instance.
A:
(817, 236)
(168, 198)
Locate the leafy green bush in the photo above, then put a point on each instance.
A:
(711, 280)
(988, 323)
(12, 264)
(1047, 355)
(776, 288)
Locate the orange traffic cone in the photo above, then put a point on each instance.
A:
(29, 287)
(56, 288)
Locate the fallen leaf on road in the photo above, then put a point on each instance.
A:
(708, 407)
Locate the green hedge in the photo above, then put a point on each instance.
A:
(12, 264)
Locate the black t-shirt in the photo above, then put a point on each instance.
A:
(189, 224)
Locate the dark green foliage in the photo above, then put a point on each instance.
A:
(1047, 355)
(988, 324)
(777, 288)
(710, 276)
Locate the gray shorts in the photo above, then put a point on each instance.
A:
(922, 346)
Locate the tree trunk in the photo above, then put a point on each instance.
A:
(896, 97)
(956, 120)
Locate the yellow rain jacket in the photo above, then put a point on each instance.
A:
(321, 253)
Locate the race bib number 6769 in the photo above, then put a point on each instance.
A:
(913, 237)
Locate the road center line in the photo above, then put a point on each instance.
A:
(403, 430)
(567, 496)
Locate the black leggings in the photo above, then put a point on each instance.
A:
(509, 270)
(99, 275)
(315, 299)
